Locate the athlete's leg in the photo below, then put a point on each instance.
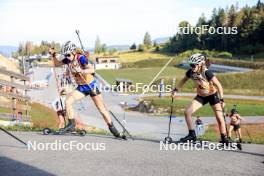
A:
(79, 124)
(220, 118)
(61, 121)
(194, 106)
(98, 101)
(71, 97)
(239, 134)
(230, 131)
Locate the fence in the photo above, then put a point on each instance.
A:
(15, 90)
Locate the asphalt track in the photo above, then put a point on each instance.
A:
(139, 157)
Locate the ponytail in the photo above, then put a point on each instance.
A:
(207, 63)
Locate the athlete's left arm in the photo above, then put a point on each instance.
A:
(88, 68)
(218, 86)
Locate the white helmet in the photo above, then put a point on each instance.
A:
(68, 48)
(196, 59)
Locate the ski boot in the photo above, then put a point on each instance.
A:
(240, 140)
(69, 128)
(225, 140)
(115, 132)
(190, 137)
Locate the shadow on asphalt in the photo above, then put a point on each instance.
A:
(12, 146)
(248, 153)
(11, 167)
(135, 137)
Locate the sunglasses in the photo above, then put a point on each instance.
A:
(67, 55)
(193, 65)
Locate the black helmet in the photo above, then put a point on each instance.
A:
(234, 111)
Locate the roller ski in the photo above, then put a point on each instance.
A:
(69, 129)
(124, 129)
(191, 139)
(115, 132)
(227, 142)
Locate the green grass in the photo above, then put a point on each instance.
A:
(134, 56)
(210, 134)
(239, 63)
(140, 75)
(245, 107)
(137, 56)
(149, 63)
(41, 116)
(255, 131)
(141, 67)
(250, 83)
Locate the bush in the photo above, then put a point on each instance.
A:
(213, 53)
(157, 49)
(223, 55)
(133, 46)
(141, 48)
(44, 60)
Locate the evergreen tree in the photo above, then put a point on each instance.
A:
(147, 41)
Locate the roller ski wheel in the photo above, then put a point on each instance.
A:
(239, 146)
(168, 140)
(115, 132)
(46, 131)
(82, 132)
(123, 137)
(230, 143)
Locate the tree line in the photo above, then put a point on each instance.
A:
(247, 24)
(28, 48)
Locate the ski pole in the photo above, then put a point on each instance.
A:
(58, 90)
(224, 114)
(172, 99)
(78, 34)
(248, 135)
(13, 136)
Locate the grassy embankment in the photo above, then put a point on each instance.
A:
(42, 117)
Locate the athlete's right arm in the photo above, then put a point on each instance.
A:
(56, 62)
(239, 117)
(179, 86)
